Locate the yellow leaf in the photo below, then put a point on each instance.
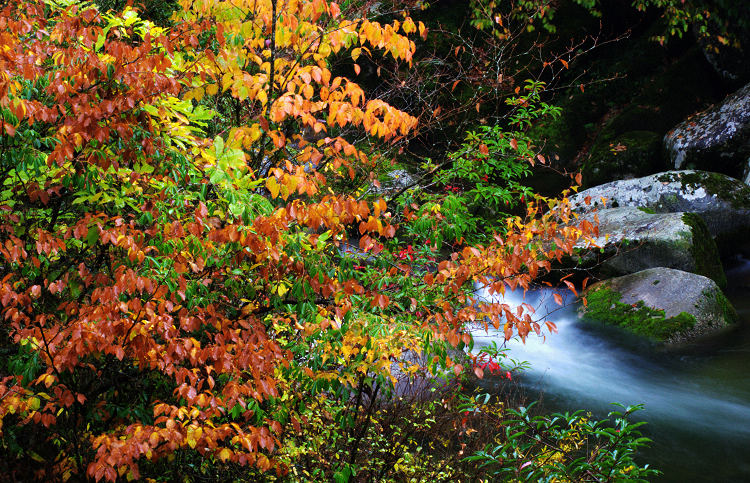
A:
(355, 53)
(212, 89)
(227, 81)
(225, 454)
(198, 93)
(262, 96)
(408, 26)
(254, 132)
(273, 187)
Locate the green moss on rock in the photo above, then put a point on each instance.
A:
(604, 305)
(703, 250)
(729, 313)
(731, 190)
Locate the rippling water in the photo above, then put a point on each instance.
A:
(697, 400)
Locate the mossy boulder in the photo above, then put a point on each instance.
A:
(662, 304)
(629, 155)
(632, 239)
(717, 139)
(723, 202)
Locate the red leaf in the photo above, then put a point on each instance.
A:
(201, 211)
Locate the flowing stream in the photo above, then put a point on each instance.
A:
(696, 400)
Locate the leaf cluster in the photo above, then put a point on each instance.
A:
(184, 285)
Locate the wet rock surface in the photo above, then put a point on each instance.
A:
(662, 304)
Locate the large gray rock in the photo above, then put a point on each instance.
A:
(717, 139)
(723, 202)
(395, 183)
(634, 240)
(662, 304)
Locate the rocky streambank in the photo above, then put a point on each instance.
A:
(659, 252)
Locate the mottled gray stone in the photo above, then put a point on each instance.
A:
(396, 181)
(717, 139)
(723, 202)
(634, 240)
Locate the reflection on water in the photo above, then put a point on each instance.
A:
(697, 400)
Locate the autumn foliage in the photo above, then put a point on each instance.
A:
(173, 279)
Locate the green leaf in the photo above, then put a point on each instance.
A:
(218, 146)
(101, 39)
(92, 236)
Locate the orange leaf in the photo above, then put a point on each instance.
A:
(571, 287)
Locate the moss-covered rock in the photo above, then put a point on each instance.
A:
(722, 202)
(703, 250)
(604, 305)
(661, 304)
(632, 240)
(721, 186)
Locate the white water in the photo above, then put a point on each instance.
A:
(697, 402)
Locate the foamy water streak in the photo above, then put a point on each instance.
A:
(701, 403)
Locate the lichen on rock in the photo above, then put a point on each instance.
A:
(723, 202)
(717, 138)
